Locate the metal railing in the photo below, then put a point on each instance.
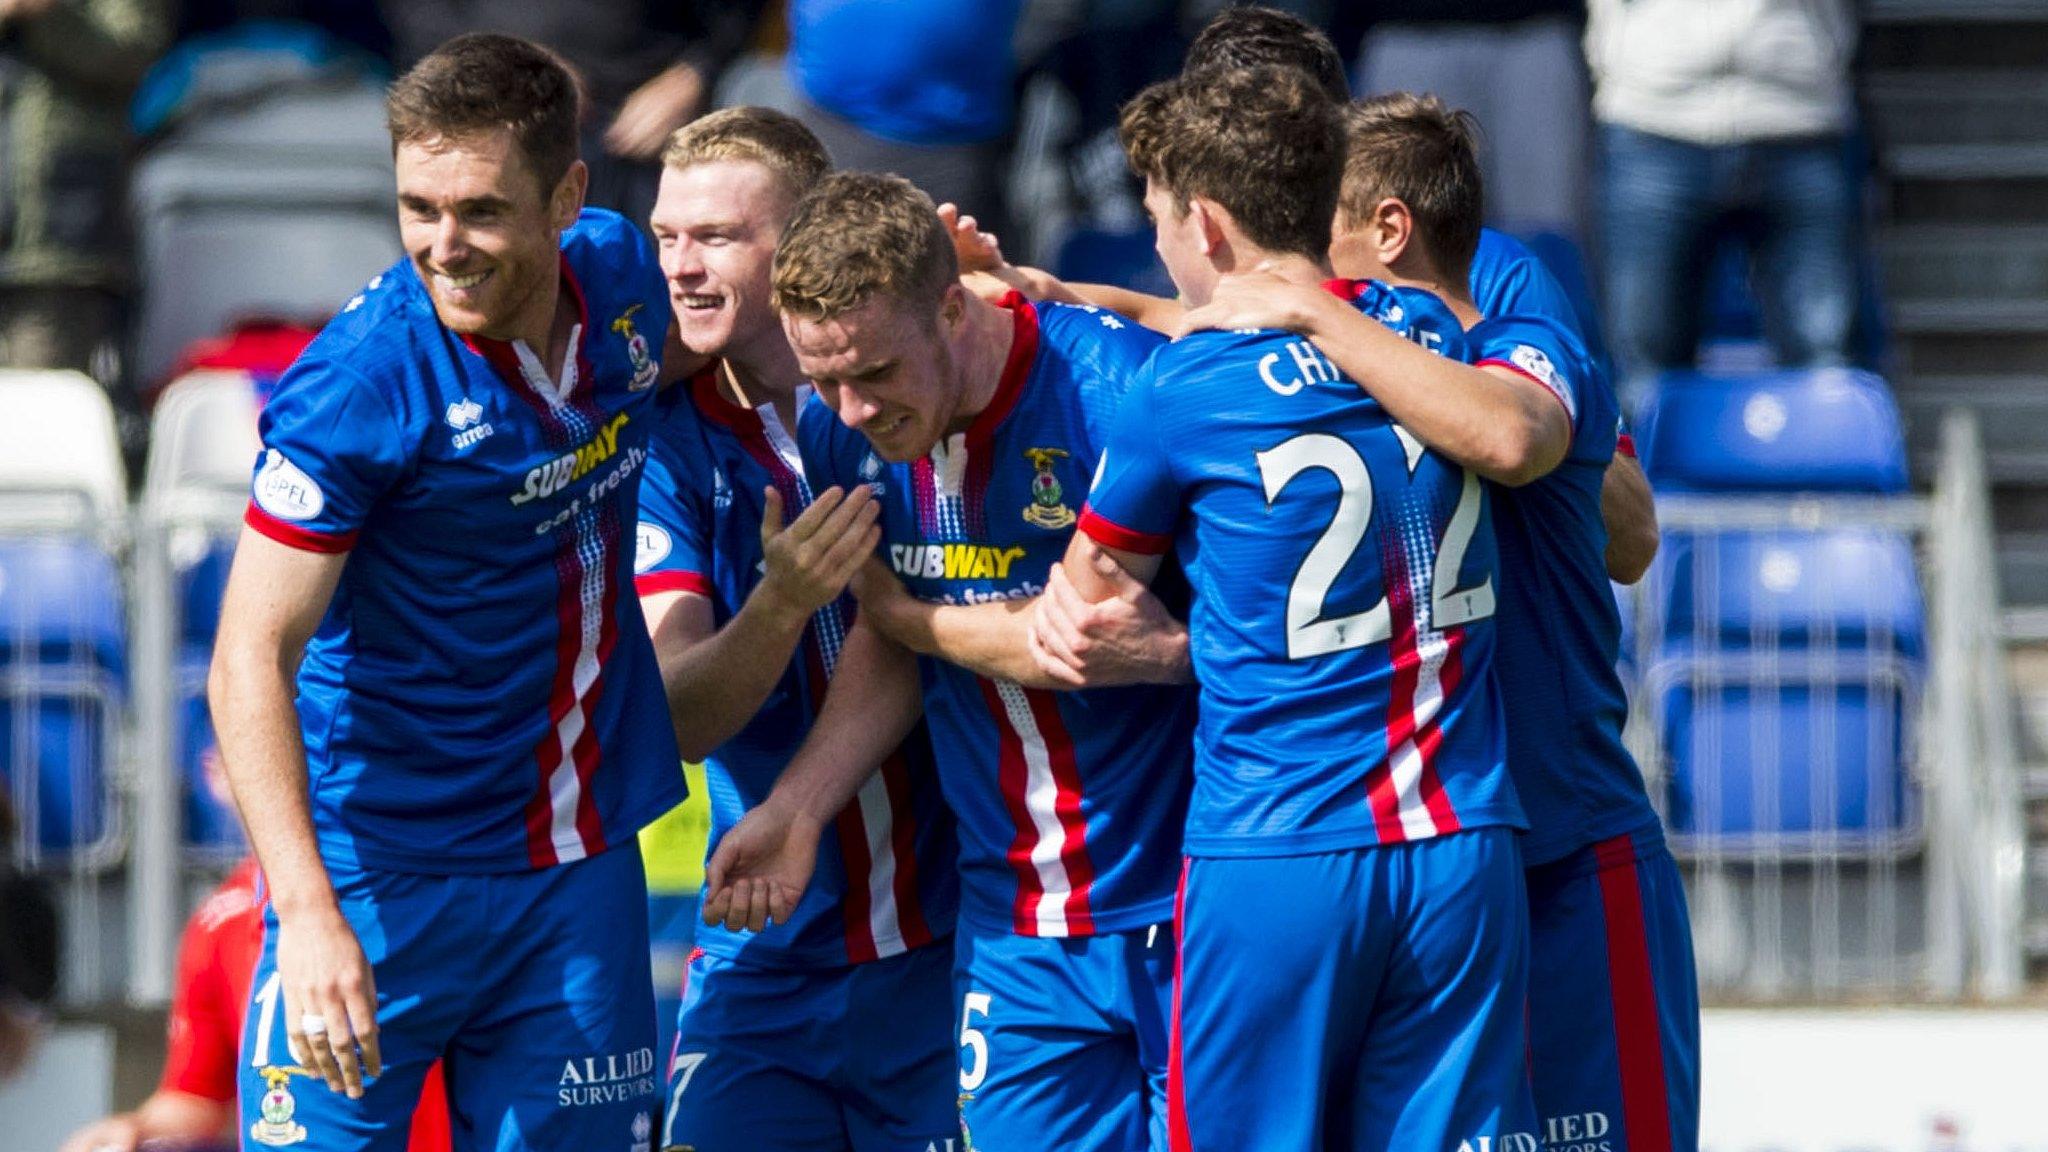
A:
(1839, 786)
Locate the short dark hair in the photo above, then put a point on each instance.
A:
(483, 81)
(1424, 153)
(1265, 144)
(859, 235)
(1248, 36)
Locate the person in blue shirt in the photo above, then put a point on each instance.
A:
(433, 687)
(1614, 1008)
(831, 1028)
(976, 426)
(1353, 950)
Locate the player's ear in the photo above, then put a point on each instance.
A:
(1208, 222)
(952, 305)
(567, 200)
(1393, 227)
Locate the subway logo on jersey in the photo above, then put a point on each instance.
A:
(953, 561)
(551, 477)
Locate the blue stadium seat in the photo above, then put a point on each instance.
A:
(1782, 752)
(1851, 589)
(1125, 259)
(1822, 430)
(63, 641)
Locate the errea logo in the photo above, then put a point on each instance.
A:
(466, 416)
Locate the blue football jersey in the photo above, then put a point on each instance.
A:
(885, 880)
(1344, 582)
(481, 695)
(1506, 279)
(1070, 804)
(1559, 629)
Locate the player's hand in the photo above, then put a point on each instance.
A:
(325, 976)
(1127, 639)
(1254, 298)
(111, 1134)
(24, 9)
(976, 250)
(809, 562)
(653, 111)
(761, 867)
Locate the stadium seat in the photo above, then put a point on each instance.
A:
(202, 446)
(281, 206)
(1851, 589)
(60, 456)
(1786, 751)
(63, 654)
(1125, 259)
(1823, 430)
(202, 436)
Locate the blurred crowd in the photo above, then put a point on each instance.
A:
(1650, 138)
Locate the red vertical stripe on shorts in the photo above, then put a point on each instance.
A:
(1638, 1036)
(1014, 779)
(1176, 1078)
(1066, 775)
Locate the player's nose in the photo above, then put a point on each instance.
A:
(450, 245)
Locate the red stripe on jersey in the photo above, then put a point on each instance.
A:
(1013, 778)
(1066, 774)
(1538, 381)
(1625, 445)
(589, 823)
(1111, 534)
(653, 583)
(293, 536)
(1638, 1034)
(1176, 1077)
(1381, 789)
(540, 846)
(903, 844)
(856, 906)
(1431, 740)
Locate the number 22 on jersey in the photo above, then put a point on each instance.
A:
(1309, 632)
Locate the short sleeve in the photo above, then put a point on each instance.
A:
(331, 450)
(1135, 500)
(672, 548)
(205, 1023)
(1541, 350)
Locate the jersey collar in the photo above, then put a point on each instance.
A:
(1344, 289)
(519, 365)
(1016, 369)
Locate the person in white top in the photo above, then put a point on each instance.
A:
(1711, 114)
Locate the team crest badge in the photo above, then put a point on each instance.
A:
(643, 1128)
(644, 367)
(966, 1136)
(276, 1129)
(1048, 508)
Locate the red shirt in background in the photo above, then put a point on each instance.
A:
(216, 962)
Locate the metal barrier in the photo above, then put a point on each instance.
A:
(1833, 762)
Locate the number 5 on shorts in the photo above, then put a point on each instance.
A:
(972, 1039)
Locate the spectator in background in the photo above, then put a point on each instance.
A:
(1514, 64)
(67, 69)
(1711, 109)
(921, 88)
(647, 68)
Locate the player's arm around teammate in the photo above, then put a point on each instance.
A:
(717, 678)
(275, 598)
(1629, 509)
